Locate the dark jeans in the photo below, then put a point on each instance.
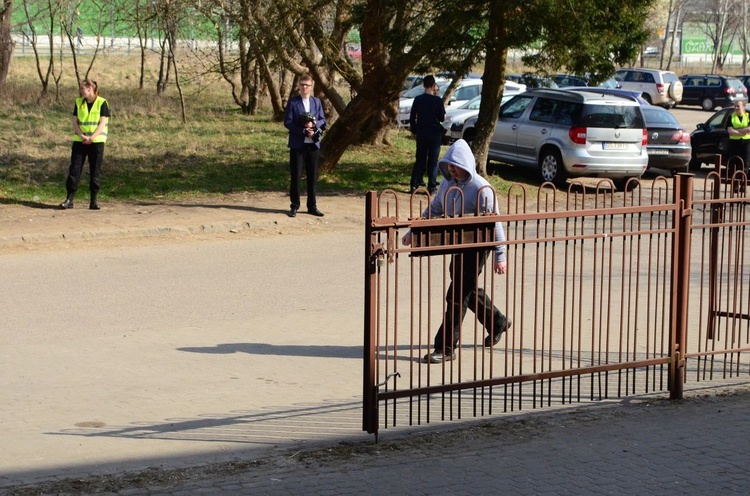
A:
(739, 148)
(463, 293)
(95, 153)
(428, 149)
(306, 157)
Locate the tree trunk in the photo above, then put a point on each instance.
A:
(349, 129)
(6, 41)
(493, 85)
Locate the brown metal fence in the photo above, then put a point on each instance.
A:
(605, 295)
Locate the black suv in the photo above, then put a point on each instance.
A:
(708, 90)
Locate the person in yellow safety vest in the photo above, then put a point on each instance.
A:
(739, 134)
(90, 120)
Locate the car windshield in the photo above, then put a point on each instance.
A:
(612, 116)
(418, 90)
(414, 92)
(472, 104)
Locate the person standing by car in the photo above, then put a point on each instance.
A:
(304, 118)
(739, 134)
(425, 122)
(90, 123)
(462, 186)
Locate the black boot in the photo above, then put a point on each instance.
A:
(94, 205)
(68, 203)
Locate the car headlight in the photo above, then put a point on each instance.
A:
(447, 121)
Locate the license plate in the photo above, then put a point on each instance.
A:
(658, 152)
(614, 146)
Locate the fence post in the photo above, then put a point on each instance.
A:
(369, 390)
(683, 197)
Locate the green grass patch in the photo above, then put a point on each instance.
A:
(151, 154)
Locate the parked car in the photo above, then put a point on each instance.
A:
(411, 81)
(710, 138)
(609, 83)
(668, 144)
(569, 134)
(532, 80)
(404, 103)
(661, 88)
(708, 90)
(636, 95)
(354, 51)
(745, 78)
(457, 116)
(464, 91)
(651, 52)
(564, 80)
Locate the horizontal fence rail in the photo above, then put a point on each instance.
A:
(600, 288)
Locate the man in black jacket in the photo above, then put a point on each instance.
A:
(425, 121)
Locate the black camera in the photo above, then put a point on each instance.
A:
(317, 132)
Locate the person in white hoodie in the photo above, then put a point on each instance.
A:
(459, 169)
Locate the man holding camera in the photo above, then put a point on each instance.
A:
(305, 120)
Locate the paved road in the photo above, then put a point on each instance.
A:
(147, 360)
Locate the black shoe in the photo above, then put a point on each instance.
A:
(68, 203)
(489, 342)
(314, 211)
(438, 357)
(94, 206)
(292, 212)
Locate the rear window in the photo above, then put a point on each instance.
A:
(612, 116)
(656, 116)
(669, 77)
(736, 84)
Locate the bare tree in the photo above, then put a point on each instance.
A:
(70, 24)
(45, 13)
(714, 17)
(6, 41)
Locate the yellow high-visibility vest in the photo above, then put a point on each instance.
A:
(88, 120)
(738, 123)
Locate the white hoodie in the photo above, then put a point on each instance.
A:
(478, 195)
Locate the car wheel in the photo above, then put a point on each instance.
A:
(625, 184)
(552, 168)
(647, 97)
(707, 104)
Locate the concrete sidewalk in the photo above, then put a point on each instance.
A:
(209, 396)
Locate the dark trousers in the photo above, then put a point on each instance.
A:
(428, 149)
(463, 293)
(306, 157)
(740, 148)
(95, 154)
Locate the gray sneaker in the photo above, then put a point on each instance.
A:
(438, 357)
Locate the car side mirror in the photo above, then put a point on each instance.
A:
(700, 126)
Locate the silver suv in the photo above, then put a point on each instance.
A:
(661, 88)
(569, 134)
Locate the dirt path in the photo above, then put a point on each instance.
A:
(37, 226)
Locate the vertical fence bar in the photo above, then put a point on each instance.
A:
(369, 389)
(683, 197)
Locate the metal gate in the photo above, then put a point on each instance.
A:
(610, 294)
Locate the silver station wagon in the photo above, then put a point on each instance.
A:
(569, 134)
